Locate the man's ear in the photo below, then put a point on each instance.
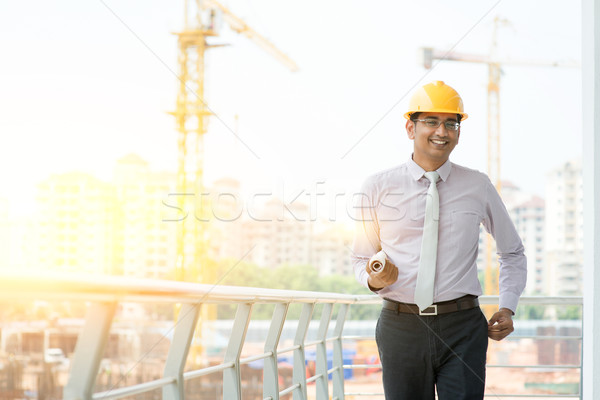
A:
(410, 129)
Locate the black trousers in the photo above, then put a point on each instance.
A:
(420, 354)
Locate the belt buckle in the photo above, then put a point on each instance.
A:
(434, 312)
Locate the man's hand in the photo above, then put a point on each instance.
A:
(378, 281)
(501, 324)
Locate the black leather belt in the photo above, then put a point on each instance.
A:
(462, 303)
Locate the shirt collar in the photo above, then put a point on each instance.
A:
(417, 172)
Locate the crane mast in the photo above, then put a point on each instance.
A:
(494, 65)
(493, 130)
(493, 152)
(201, 18)
(191, 116)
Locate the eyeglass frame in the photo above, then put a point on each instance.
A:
(456, 124)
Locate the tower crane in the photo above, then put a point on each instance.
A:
(201, 20)
(493, 124)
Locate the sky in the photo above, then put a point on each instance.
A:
(83, 83)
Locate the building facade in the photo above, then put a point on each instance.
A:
(529, 219)
(72, 230)
(564, 230)
(527, 212)
(144, 244)
(86, 225)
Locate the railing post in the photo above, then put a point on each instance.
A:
(338, 353)
(321, 367)
(89, 351)
(232, 377)
(179, 350)
(271, 371)
(299, 375)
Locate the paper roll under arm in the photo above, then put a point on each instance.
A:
(377, 262)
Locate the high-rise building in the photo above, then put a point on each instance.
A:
(278, 234)
(527, 213)
(226, 220)
(274, 233)
(564, 229)
(332, 250)
(144, 242)
(72, 232)
(529, 219)
(87, 225)
(129, 226)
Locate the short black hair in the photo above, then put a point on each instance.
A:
(415, 116)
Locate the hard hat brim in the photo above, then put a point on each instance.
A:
(436, 97)
(463, 116)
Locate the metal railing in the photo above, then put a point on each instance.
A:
(104, 294)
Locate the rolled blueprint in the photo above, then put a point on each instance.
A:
(377, 262)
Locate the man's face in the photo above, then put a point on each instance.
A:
(432, 146)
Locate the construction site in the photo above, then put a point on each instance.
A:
(183, 217)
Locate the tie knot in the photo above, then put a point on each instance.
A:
(432, 176)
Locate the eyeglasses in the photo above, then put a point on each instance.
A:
(434, 123)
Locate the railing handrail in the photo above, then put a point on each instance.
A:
(105, 292)
(122, 288)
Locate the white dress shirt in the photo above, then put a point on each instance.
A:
(390, 216)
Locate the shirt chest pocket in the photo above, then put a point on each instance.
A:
(465, 231)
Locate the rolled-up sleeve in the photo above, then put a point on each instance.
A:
(510, 250)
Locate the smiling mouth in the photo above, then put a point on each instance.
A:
(439, 142)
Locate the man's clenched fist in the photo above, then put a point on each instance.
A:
(501, 324)
(383, 278)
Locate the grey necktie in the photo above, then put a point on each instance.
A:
(426, 276)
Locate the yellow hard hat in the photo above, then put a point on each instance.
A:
(436, 97)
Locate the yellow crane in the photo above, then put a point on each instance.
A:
(429, 55)
(201, 20)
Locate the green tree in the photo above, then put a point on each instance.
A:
(527, 312)
(295, 277)
(341, 284)
(288, 277)
(233, 273)
(569, 312)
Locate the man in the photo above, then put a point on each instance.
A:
(425, 216)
